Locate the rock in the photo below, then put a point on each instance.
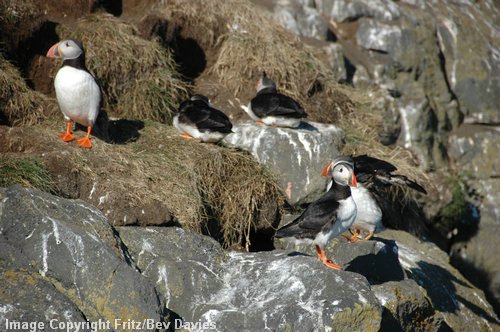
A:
(386, 38)
(26, 297)
(275, 290)
(477, 259)
(376, 261)
(468, 38)
(301, 18)
(70, 245)
(344, 10)
(336, 60)
(440, 58)
(473, 149)
(296, 156)
(406, 308)
(451, 295)
(390, 262)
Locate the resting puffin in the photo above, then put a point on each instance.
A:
(331, 215)
(269, 107)
(371, 174)
(198, 119)
(77, 92)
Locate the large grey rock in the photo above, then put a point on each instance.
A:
(468, 38)
(70, 245)
(406, 308)
(456, 300)
(336, 60)
(394, 258)
(344, 10)
(300, 18)
(296, 156)
(477, 259)
(27, 297)
(439, 60)
(276, 290)
(474, 150)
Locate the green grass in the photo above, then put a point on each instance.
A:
(457, 211)
(27, 172)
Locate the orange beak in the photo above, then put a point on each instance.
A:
(53, 52)
(326, 170)
(354, 183)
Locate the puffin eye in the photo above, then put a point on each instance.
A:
(67, 44)
(341, 169)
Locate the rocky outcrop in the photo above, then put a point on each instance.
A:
(60, 259)
(296, 156)
(68, 249)
(413, 281)
(474, 149)
(438, 62)
(275, 290)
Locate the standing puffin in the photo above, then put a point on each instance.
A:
(331, 215)
(77, 91)
(198, 119)
(269, 107)
(372, 174)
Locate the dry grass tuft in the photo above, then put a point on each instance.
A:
(18, 103)
(15, 12)
(212, 183)
(208, 188)
(139, 77)
(244, 40)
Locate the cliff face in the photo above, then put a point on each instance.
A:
(411, 82)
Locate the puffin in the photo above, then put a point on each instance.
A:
(77, 91)
(269, 107)
(198, 119)
(372, 175)
(329, 216)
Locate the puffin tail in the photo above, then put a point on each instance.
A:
(288, 230)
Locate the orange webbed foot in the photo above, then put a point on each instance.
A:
(186, 135)
(84, 142)
(354, 237)
(328, 263)
(67, 137)
(260, 123)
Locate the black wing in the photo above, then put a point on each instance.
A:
(312, 220)
(370, 170)
(204, 117)
(276, 104)
(367, 164)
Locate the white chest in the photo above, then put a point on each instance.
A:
(369, 214)
(346, 214)
(78, 95)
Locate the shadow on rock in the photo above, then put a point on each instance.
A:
(307, 126)
(439, 285)
(380, 265)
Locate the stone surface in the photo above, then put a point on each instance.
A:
(390, 262)
(26, 297)
(474, 150)
(477, 259)
(300, 18)
(456, 300)
(344, 10)
(406, 308)
(70, 245)
(275, 290)
(296, 156)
